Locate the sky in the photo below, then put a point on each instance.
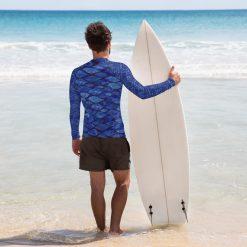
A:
(121, 5)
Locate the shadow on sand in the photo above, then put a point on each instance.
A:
(58, 237)
(63, 237)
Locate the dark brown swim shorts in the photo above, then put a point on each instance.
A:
(100, 153)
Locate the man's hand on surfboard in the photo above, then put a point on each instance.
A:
(76, 146)
(174, 75)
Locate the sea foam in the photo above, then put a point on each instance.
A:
(193, 59)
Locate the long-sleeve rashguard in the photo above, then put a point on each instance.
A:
(98, 84)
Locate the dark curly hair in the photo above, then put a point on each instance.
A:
(98, 36)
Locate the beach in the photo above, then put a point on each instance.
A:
(45, 198)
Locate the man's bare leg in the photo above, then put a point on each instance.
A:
(97, 181)
(122, 179)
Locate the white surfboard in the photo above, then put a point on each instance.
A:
(159, 149)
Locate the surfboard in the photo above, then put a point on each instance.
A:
(158, 139)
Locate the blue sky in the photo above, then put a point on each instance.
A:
(124, 4)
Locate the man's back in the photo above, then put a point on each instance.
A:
(100, 93)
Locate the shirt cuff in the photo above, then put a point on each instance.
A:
(75, 137)
(173, 83)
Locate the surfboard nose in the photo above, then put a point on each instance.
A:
(145, 25)
(144, 22)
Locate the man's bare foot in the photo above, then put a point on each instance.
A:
(106, 229)
(115, 232)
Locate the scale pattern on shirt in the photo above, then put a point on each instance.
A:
(97, 84)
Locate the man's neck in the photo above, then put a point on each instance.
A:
(100, 55)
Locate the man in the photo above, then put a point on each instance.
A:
(98, 85)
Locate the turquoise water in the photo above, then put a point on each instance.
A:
(171, 25)
(44, 195)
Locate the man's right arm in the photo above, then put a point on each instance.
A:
(75, 103)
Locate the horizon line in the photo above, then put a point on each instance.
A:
(100, 10)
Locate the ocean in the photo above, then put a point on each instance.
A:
(45, 198)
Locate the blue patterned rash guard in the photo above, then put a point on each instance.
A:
(98, 84)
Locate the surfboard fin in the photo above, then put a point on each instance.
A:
(184, 210)
(151, 213)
